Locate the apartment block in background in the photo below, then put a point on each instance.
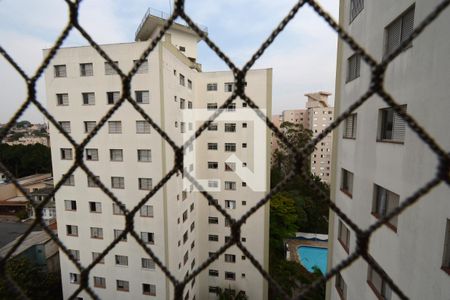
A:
(378, 161)
(130, 158)
(316, 116)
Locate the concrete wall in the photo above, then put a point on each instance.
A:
(412, 255)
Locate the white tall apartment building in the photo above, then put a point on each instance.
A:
(316, 116)
(379, 161)
(130, 157)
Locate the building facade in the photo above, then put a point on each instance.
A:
(379, 161)
(316, 116)
(130, 157)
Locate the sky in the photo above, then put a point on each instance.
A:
(303, 56)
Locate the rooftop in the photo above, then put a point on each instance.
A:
(154, 19)
(34, 238)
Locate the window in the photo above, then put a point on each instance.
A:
(229, 86)
(89, 126)
(213, 183)
(192, 226)
(231, 204)
(182, 127)
(446, 258)
(74, 278)
(230, 185)
(142, 127)
(213, 237)
(91, 182)
(70, 181)
(117, 233)
(149, 289)
(230, 166)
(182, 49)
(88, 98)
(182, 80)
(385, 201)
(244, 145)
(91, 154)
(399, 30)
(230, 127)
(213, 273)
(116, 154)
(146, 211)
(117, 210)
(96, 233)
(144, 155)
(392, 126)
(72, 230)
(347, 182)
(230, 276)
(70, 205)
(353, 67)
(122, 285)
(121, 260)
(189, 104)
(148, 237)
(60, 70)
(147, 263)
(189, 84)
(109, 69)
(95, 207)
(211, 87)
(142, 97)
(341, 287)
(212, 127)
(145, 184)
(344, 236)
(378, 285)
(95, 255)
(62, 99)
(230, 147)
(350, 127)
(114, 127)
(212, 146)
(213, 220)
(66, 154)
(117, 182)
(231, 107)
(65, 126)
(244, 125)
(213, 164)
(86, 69)
(99, 282)
(356, 6)
(213, 289)
(143, 68)
(230, 258)
(112, 97)
(211, 106)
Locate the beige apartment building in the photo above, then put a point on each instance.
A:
(130, 157)
(379, 161)
(316, 116)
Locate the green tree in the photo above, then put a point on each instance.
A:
(33, 281)
(26, 160)
(229, 294)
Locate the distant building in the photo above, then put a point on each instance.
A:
(49, 210)
(12, 200)
(39, 248)
(316, 116)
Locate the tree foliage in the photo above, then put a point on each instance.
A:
(33, 281)
(296, 208)
(227, 294)
(26, 160)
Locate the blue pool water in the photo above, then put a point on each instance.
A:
(313, 256)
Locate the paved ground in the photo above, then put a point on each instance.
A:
(9, 230)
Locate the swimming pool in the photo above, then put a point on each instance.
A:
(313, 256)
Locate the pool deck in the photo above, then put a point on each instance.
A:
(293, 244)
